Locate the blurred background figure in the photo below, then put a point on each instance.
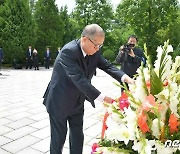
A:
(1, 59)
(29, 61)
(47, 57)
(130, 57)
(35, 59)
(58, 51)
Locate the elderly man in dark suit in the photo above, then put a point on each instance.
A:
(71, 84)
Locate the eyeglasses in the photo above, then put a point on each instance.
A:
(95, 45)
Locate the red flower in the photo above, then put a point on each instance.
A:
(123, 102)
(173, 123)
(94, 147)
(104, 127)
(148, 84)
(142, 123)
(165, 83)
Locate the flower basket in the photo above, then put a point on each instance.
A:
(146, 118)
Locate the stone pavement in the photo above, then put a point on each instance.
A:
(24, 123)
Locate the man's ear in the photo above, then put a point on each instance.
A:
(84, 38)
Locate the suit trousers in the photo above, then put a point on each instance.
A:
(59, 131)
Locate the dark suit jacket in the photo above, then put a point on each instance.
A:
(1, 55)
(71, 79)
(129, 64)
(45, 55)
(28, 56)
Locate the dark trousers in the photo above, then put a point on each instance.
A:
(36, 64)
(29, 63)
(47, 62)
(59, 131)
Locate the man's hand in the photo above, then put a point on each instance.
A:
(129, 80)
(131, 53)
(108, 99)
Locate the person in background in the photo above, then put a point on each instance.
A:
(47, 57)
(70, 86)
(130, 57)
(29, 61)
(58, 51)
(35, 59)
(1, 59)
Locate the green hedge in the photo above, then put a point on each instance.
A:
(109, 55)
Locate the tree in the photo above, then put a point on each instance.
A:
(48, 26)
(93, 11)
(148, 18)
(16, 31)
(32, 5)
(99, 12)
(68, 26)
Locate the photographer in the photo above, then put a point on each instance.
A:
(130, 57)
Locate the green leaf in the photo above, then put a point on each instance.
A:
(156, 83)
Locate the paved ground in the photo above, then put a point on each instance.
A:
(24, 123)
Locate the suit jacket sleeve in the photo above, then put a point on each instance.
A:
(70, 63)
(120, 57)
(110, 69)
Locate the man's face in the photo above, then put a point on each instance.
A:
(132, 41)
(91, 46)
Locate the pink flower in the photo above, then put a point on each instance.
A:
(165, 83)
(149, 103)
(123, 102)
(94, 147)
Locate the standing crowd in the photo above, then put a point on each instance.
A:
(32, 58)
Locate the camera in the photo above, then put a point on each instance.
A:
(127, 47)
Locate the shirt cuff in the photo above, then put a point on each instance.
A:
(123, 77)
(100, 98)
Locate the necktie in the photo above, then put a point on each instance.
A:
(86, 59)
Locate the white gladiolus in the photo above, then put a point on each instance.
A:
(169, 49)
(162, 149)
(131, 119)
(143, 147)
(173, 89)
(146, 74)
(167, 58)
(140, 92)
(155, 129)
(174, 92)
(157, 61)
(176, 64)
(116, 118)
(163, 96)
(137, 146)
(167, 68)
